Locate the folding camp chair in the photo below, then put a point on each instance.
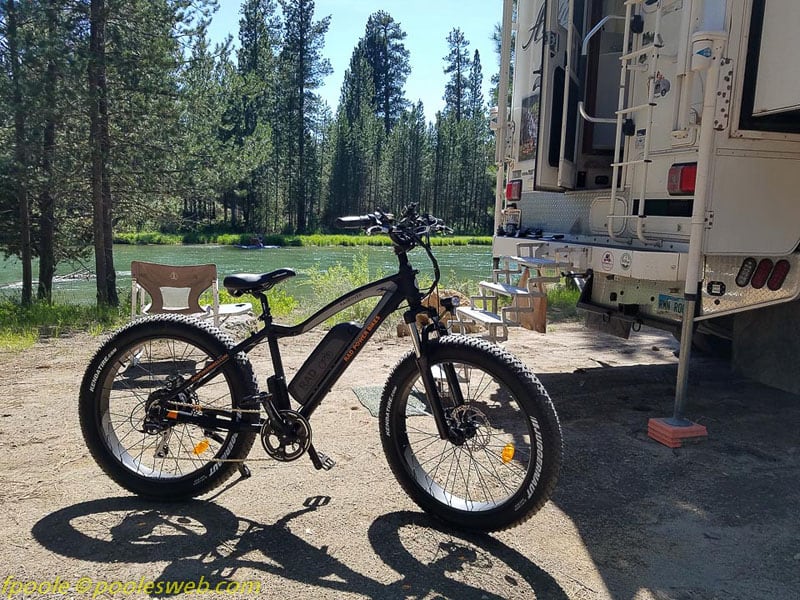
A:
(177, 290)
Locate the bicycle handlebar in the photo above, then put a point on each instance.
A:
(360, 222)
(409, 222)
(410, 230)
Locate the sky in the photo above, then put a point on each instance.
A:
(426, 23)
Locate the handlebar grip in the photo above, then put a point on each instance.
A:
(355, 222)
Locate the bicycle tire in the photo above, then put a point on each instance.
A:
(137, 360)
(506, 470)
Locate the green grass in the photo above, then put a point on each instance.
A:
(315, 239)
(21, 326)
(561, 301)
(281, 304)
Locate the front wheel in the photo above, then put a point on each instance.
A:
(126, 377)
(502, 465)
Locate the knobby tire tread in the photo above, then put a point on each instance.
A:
(538, 401)
(144, 328)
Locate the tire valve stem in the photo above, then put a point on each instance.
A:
(507, 454)
(201, 447)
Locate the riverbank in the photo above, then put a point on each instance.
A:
(283, 241)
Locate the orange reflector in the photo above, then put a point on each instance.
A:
(201, 447)
(172, 414)
(508, 453)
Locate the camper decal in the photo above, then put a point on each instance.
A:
(607, 261)
(661, 85)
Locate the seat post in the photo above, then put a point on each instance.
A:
(266, 314)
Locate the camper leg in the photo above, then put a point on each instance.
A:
(674, 430)
(685, 353)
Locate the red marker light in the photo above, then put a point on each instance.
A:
(681, 179)
(514, 190)
(779, 274)
(761, 275)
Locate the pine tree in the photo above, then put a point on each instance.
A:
(18, 176)
(389, 62)
(474, 95)
(253, 118)
(100, 144)
(457, 65)
(354, 137)
(302, 69)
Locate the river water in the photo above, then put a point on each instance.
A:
(457, 264)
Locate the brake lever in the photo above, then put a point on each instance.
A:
(377, 229)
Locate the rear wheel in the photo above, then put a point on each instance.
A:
(501, 465)
(124, 379)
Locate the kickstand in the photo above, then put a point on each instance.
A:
(244, 473)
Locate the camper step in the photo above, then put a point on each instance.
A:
(490, 321)
(481, 316)
(504, 289)
(539, 263)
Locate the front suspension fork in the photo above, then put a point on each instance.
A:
(443, 424)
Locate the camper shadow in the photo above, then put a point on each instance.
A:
(689, 522)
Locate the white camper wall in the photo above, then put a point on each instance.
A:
(778, 83)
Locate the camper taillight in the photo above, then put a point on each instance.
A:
(514, 190)
(778, 275)
(763, 272)
(681, 179)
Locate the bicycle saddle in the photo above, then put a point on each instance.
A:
(251, 283)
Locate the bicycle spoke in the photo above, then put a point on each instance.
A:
(474, 473)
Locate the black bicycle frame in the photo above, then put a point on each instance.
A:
(394, 290)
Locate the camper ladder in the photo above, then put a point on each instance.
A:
(630, 61)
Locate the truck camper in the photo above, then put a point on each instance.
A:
(651, 151)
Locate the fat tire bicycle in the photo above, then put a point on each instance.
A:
(170, 406)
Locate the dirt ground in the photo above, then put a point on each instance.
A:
(630, 518)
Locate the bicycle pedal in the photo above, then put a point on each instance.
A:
(320, 460)
(327, 462)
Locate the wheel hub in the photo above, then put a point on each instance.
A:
(469, 424)
(160, 401)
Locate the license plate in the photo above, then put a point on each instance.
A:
(670, 304)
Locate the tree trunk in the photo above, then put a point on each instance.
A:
(101, 144)
(47, 259)
(20, 154)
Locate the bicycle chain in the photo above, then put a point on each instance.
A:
(220, 460)
(200, 407)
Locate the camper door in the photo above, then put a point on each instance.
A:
(560, 92)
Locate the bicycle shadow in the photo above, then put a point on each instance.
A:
(200, 539)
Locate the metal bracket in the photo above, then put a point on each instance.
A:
(724, 90)
(709, 219)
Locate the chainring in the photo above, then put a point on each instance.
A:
(289, 446)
